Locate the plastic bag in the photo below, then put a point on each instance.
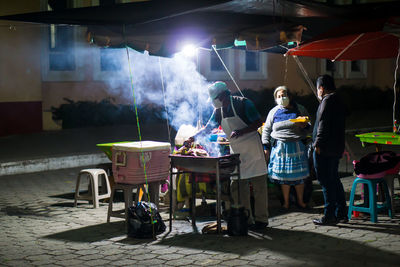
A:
(144, 221)
(376, 162)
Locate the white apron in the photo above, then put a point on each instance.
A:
(248, 146)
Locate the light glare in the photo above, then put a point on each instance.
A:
(189, 50)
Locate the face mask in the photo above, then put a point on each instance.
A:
(217, 103)
(283, 101)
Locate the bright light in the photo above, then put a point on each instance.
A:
(189, 50)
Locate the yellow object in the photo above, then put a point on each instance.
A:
(140, 194)
(301, 119)
(260, 129)
(181, 195)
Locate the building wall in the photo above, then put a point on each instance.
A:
(381, 73)
(20, 79)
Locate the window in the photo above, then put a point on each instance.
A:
(61, 41)
(215, 62)
(253, 65)
(61, 48)
(110, 59)
(213, 68)
(335, 69)
(356, 69)
(107, 63)
(252, 61)
(59, 56)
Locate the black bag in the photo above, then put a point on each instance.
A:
(376, 162)
(144, 220)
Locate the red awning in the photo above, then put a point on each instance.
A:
(369, 45)
(355, 41)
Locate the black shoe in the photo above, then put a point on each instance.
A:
(324, 221)
(258, 226)
(343, 219)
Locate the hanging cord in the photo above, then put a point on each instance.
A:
(285, 76)
(223, 64)
(165, 102)
(286, 64)
(140, 139)
(395, 126)
(305, 74)
(200, 120)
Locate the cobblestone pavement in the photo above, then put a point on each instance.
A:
(40, 227)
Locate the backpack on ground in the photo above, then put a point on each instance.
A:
(144, 221)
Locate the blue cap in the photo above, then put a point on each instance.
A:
(217, 88)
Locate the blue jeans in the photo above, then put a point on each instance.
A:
(326, 169)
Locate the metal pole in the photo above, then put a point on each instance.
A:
(218, 200)
(170, 190)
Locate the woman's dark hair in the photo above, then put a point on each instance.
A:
(327, 82)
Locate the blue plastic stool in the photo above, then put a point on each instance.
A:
(373, 208)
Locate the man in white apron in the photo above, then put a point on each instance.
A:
(240, 120)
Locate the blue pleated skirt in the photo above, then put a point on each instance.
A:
(288, 163)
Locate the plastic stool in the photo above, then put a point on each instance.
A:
(93, 175)
(373, 208)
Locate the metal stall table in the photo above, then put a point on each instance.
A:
(220, 166)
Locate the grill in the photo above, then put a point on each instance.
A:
(224, 166)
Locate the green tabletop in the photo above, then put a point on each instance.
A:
(385, 138)
(107, 147)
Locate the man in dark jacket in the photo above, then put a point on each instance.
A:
(328, 136)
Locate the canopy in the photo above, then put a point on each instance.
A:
(161, 26)
(364, 39)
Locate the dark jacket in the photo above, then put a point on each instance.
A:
(329, 126)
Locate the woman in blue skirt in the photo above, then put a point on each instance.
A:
(284, 131)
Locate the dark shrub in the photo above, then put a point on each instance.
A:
(91, 113)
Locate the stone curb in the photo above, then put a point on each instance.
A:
(54, 163)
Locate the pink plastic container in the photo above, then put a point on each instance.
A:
(128, 162)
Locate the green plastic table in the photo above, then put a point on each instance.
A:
(379, 138)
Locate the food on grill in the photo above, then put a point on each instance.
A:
(216, 144)
(182, 151)
(197, 151)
